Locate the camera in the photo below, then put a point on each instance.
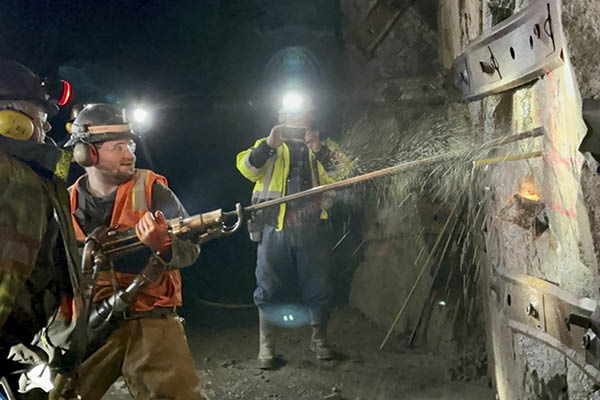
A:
(294, 132)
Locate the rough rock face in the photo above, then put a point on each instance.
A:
(409, 49)
(457, 27)
(552, 237)
(561, 253)
(590, 188)
(403, 117)
(580, 20)
(391, 264)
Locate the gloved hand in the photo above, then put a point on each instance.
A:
(312, 140)
(153, 231)
(39, 377)
(27, 354)
(275, 138)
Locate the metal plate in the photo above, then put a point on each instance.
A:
(556, 313)
(525, 306)
(514, 292)
(551, 341)
(522, 48)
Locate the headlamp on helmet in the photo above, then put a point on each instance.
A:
(59, 91)
(294, 102)
(19, 83)
(295, 114)
(139, 118)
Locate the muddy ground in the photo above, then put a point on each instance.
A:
(224, 343)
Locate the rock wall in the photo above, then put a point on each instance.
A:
(562, 253)
(414, 225)
(539, 215)
(580, 20)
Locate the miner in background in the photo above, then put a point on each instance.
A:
(294, 239)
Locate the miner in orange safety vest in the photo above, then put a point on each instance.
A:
(148, 348)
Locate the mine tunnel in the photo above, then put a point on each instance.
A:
(460, 255)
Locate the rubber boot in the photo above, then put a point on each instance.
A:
(319, 344)
(266, 349)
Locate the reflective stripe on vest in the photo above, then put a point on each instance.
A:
(138, 194)
(249, 165)
(273, 184)
(266, 194)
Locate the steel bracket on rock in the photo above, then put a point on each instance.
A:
(545, 312)
(518, 50)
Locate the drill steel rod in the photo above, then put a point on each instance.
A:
(392, 170)
(511, 157)
(129, 241)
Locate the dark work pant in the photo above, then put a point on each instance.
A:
(295, 260)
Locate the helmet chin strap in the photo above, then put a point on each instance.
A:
(49, 140)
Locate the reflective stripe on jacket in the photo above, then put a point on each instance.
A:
(132, 200)
(271, 180)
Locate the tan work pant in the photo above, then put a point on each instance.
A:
(153, 356)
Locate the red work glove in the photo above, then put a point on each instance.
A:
(153, 231)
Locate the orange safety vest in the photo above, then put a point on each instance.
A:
(132, 200)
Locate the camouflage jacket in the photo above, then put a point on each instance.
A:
(35, 269)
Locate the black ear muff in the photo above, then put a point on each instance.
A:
(85, 154)
(16, 125)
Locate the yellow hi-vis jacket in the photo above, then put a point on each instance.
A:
(271, 179)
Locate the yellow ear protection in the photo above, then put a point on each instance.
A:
(16, 125)
(85, 154)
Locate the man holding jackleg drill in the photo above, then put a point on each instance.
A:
(148, 347)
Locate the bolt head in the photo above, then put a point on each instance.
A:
(464, 77)
(530, 309)
(586, 341)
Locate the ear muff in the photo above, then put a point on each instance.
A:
(85, 154)
(16, 125)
